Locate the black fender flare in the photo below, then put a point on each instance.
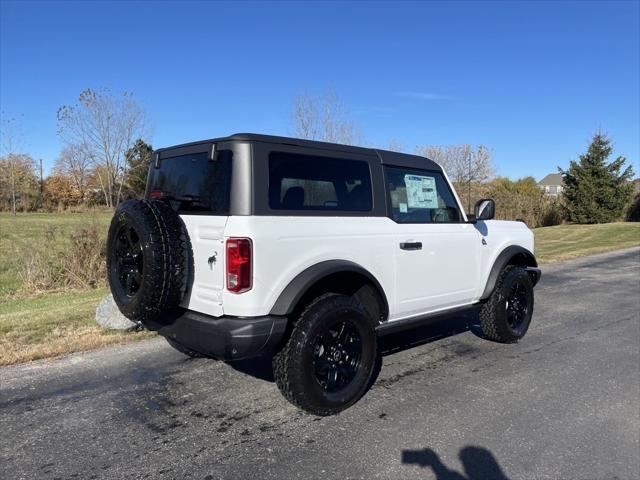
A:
(513, 254)
(302, 282)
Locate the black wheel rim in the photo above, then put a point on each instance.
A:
(129, 265)
(337, 355)
(517, 307)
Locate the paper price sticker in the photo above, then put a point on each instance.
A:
(421, 191)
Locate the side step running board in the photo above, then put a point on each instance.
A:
(408, 323)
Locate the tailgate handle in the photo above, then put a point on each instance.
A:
(411, 245)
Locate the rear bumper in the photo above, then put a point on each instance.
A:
(226, 338)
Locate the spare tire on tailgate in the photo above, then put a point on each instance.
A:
(148, 261)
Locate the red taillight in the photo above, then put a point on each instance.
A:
(156, 194)
(239, 252)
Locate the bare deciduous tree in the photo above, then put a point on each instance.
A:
(75, 164)
(18, 182)
(9, 156)
(461, 162)
(104, 126)
(464, 164)
(395, 145)
(323, 118)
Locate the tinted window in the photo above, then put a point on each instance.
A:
(420, 196)
(193, 183)
(305, 182)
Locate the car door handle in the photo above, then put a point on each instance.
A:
(411, 245)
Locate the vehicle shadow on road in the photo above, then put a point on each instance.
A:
(260, 367)
(438, 330)
(478, 464)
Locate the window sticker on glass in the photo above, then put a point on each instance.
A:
(421, 191)
(403, 207)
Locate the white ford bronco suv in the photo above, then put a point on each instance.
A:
(305, 252)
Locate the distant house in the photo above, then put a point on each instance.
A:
(552, 185)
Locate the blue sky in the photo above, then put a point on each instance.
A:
(531, 80)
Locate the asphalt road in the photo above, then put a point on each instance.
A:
(563, 403)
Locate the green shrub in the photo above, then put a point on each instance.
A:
(523, 200)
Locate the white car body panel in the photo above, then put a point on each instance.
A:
(206, 233)
(432, 278)
(277, 241)
(500, 234)
(450, 270)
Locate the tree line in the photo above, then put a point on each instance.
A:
(106, 157)
(596, 190)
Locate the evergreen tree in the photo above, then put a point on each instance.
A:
(595, 191)
(138, 158)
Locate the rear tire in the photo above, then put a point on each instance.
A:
(505, 317)
(330, 357)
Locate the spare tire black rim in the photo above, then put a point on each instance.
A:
(129, 265)
(517, 307)
(337, 354)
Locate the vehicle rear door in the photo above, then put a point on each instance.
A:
(196, 182)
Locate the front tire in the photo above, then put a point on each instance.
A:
(505, 317)
(330, 357)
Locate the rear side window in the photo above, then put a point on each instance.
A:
(193, 183)
(313, 183)
(420, 196)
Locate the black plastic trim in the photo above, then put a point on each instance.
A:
(406, 160)
(226, 338)
(504, 259)
(293, 292)
(186, 150)
(411, 245)
(413, 322)
(535, 273)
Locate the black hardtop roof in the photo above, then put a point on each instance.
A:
(386, 157)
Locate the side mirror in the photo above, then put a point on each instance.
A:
(485, 209)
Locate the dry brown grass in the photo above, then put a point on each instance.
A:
(75, 261)
(54, 324)
(62, 342)
(30, 242)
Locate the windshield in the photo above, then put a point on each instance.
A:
(192, 183)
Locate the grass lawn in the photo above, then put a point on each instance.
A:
(47, 325)
(562, 242)
(27, 231)
(53, 324)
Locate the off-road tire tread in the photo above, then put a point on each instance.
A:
(166, 276)
(286, 366)
(491, 327)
